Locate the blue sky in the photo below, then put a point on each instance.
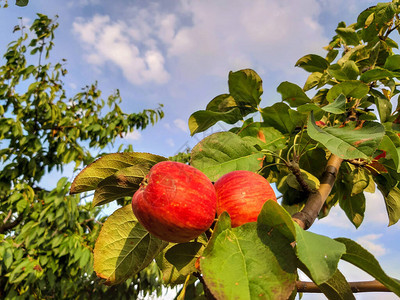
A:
(179, 53)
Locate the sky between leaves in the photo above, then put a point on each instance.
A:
(179, 53)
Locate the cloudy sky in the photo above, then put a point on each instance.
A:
(179, 53)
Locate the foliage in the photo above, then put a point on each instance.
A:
(349, 118)
(47, 236)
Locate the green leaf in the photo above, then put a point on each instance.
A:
(223, 152)
(222, 103)
(292, 94)
(265, 137)
(392, 63)
(336, 107)
(245, 86)
(312, 81)
(312, 63)
(318, 253)
(336, 287)
(282, 117)
(361, 258)
(274, 216)
(22, 2)
(349, 142)
(392, 201)
(201, 120)
(354, 207)
(388, 146)
(123, 183)
(93, 174)
(245, 263)
(311, 180)
(376, 74)
(351, 88)
(348, 35)
(184, 255)
(170, 274)
(124, 247)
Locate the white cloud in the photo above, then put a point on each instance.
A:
(368, 242)
(108, 41)
(134, 135)
(375, 212)
(230, 34)
(181, 124)
(202, 37)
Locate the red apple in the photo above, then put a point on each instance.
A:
(242, 194)
(176, 202)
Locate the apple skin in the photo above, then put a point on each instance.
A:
(242, 194)
(176, 202)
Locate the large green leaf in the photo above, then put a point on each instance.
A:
(93, 174)
(376, 74)
(347, 71)
(223, 152)
(275, 217)
(318, 253)
(123, 183)
(292, 94)
(348, 35)
(358, 256)
(282, 117)
(354, 207)
(383, 105)
(336, 107)
(201, 120)
(392, 63)
(245, 86)
(349, 142)
(244, 263)
(124, 247)
(351, 88)
(265, 137)
(312, 63)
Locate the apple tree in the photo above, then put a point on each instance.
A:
(46, 235)
(325, 144)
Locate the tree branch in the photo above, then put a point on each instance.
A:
(306, 217)
(7, 226)
(207, 292)
(356, 287)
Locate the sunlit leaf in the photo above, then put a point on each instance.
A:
(318, 253)
(292, 94)
(245, 86)
(282, 117)
(336, 107)
(349, 142)
(312, 63)
(223, 152)
(351, 88)
(124, 247)
(201, 120)
(93, 174)
(245, 263)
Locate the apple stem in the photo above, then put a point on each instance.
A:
(316, 199)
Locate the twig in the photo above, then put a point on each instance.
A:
(295, 169)
(7, 226)
(356, 287)
(306, 217)
(207, 292)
